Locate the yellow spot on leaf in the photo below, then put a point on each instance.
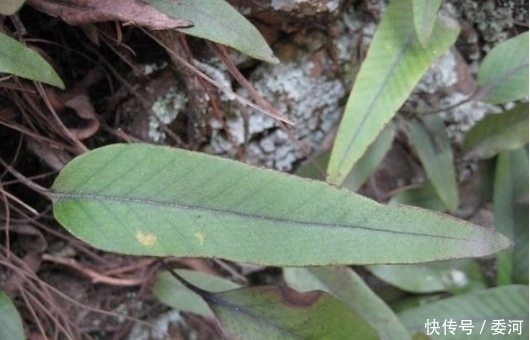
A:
(200, 238)
(146, 239)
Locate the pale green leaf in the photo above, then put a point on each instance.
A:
(520, 248)
(429, 138)
(282, 313)
(498, 132)
(362, 169)
(346, 285)
(424, 12)
(455, 276)
(394, 64)
(217, 21)
(22, 61)
(503, 74)
(511, 181)
(410, 301)
(424, 196)
(160, 201)
(9, 7)
(172, 292)
(507, 304)
(10, 322)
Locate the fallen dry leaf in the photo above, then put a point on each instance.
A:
(78, 12)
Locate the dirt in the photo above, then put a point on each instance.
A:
(136, 92)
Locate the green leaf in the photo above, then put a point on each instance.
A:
(9, 7)
(429, 138)
(10, 322)
(217, 21)
(393, 66)
(22, 61)
(503, 73)
(451, 276)
(424, 12)
(424, 196)
(346, 285)
(511, 181)
(498, 132)
(520, 249)
(283, 313)
(160, 201)
(312, 169)
(480, 309)
(363, 168)
(172, 292)
(411, 301)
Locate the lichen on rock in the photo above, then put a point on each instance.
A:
(306, 87)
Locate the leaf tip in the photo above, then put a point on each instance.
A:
(273, 59)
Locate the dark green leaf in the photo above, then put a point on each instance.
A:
(346, 285)
(154, 200)
(172, 292)
(511, 181)
(424, 196)
(217, 21)
(363, 168)
(282, 313)
(22, 61)
(503, 73)
(520, 249)
(498, 132)
(429, 138)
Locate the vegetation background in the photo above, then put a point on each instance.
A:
(381, 99)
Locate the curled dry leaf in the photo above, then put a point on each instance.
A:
(78, 12)
(84, 109)
(80, 103)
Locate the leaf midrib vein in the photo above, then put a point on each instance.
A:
(62, 196)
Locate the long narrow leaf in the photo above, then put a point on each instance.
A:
(424, 18)
(346, 285)
(475, 316)
(217, 21)
(393, 66)
(363, 168)
(424, 196)
(511, 181)
(173, 293)
(153, 200)
(429, 138)
(456, 276)
(270, 313)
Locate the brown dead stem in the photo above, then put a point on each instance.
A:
(217, 85)
(41, 298)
